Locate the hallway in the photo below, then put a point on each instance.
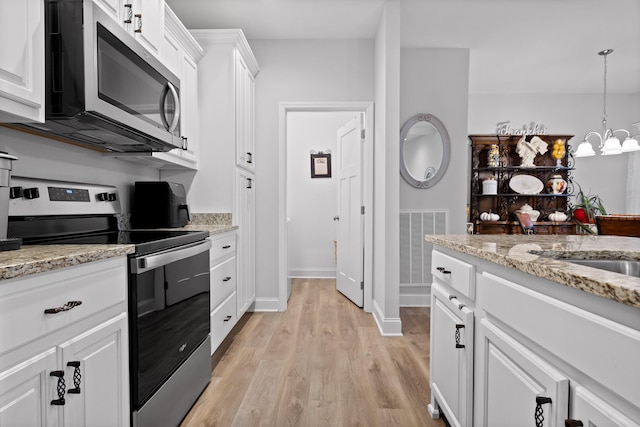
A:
(320, 363)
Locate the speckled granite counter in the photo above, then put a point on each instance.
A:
(524, 253)
(40, 258)
(212, 229)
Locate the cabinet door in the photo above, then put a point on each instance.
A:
(594, 412)
(451, 359)
(114, 8)
(147, 24)
(245, 210)
(244, 97)
(26, 391)
(189, 107)
(22, 61)
(512, 380)
(100, 375)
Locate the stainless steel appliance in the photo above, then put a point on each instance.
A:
(102, 88)
(169, 325)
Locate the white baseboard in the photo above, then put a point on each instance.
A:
(308, 273)
(388, 326)
(415, 295)
(266, 304)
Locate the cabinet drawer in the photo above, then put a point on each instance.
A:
(23, 301)
(223, 281)
(455, 273)
(602, 349)
(223, 318)
(222, 247)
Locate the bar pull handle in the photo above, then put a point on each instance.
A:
(457, 335)
(128, 13)
(138, 17)
(77, 377)
(59, 388)
(226, 279)
(249, 157)
(443, 270)
(539, 413)
(249, 183)
(68, 306)
(226, 319)
(226, 247)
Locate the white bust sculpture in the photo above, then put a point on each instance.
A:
(528, 150)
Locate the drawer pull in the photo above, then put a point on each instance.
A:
(227, 318)
(77, 377)
(539, 413)
(457, 335)
(59, 388)
(226, 279)
(68, 306)
(226, 246)
(440, 269)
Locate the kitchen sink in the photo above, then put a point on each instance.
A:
(622, 266)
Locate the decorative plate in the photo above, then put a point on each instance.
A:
(526, 184)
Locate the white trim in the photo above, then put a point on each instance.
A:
(367, 190)
(265, 304)
(230, 36)
(391, 327)
(415, 294)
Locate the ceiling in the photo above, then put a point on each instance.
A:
(516, 46)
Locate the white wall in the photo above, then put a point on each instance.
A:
(296, 71)
(312, 202)
(436, 81)
(386, 244)
(46, 158)
(575, 114)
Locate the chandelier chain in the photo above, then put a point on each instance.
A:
(604, 95)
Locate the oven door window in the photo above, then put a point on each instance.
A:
(126, 81)
(169, 320)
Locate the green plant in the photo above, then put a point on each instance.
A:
(586, 208)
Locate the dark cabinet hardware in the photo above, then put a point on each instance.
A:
(249, 183)
(226, 279)
(457, 335)
(440, 269)
(77, 377)
(226, 246)
(539, 413)
(336, 218)
(68, 306)
(138, 29)
(185, 142)
(128, 13)
(227, 319)
(59, 388)
(249, 158)
(443, 270)
(573, 423)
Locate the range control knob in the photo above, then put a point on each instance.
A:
(31, 193)
(112, 197)
(102, 196)
(15, 192)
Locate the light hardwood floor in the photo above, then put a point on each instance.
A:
(320, 363)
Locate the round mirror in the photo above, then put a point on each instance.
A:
(424, 150)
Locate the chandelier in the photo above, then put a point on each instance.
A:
(609, 143)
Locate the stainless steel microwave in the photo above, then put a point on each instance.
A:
(103, 89)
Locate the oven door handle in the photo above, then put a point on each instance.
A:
(143, 264)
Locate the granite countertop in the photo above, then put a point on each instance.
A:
(525, 253)
(32, 259)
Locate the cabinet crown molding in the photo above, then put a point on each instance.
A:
(183, 36)
(229, 36)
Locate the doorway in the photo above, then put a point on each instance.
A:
(288, 114)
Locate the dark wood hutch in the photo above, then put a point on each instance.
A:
(507, 201)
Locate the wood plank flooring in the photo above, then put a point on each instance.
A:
(320, 363)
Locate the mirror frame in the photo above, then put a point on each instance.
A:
(446, 150)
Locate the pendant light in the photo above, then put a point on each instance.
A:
(609, 143)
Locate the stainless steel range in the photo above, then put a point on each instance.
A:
(169, 325)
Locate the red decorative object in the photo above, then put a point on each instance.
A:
(580, 215)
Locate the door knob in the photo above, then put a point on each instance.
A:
(336, 218)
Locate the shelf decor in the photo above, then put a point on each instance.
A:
(520, 187)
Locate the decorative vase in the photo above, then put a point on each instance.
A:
(493, 156)
(490, 186)
(580, 215)
(556, 184)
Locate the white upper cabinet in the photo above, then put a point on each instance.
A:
(22, 61)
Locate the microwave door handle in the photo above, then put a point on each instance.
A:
(163, 114)
(176, 116)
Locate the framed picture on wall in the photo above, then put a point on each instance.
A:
(321, 165)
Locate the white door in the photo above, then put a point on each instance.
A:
(349, 272)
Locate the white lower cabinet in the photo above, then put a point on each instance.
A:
(451, 359)
(246, 211)
(71, 367)
(520, 388)
(542, 355)
(223, 277)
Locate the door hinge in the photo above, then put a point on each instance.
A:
(361, 210)
(361, 285)
(362, 133)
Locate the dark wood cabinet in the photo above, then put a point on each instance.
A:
(495, 157)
